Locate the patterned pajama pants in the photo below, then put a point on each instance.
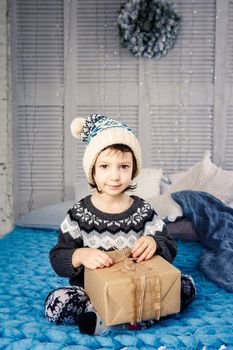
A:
(66, 303)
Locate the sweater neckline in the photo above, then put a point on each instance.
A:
(112, 216)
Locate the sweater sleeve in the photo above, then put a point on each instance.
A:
(69, 239)
(166, 244)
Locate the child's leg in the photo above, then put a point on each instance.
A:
(188, 291)
(72, 305)
(65, 304)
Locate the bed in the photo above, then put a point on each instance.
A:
(26, 277)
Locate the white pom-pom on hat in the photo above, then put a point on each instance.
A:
(76, 127)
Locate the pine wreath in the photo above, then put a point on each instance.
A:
(148, 27)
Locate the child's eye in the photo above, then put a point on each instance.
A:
(103, 166)
(125, 166)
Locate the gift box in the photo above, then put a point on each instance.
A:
(131, 292)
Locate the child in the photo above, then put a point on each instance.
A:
(106, 220)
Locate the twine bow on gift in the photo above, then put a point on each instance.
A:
(147, 298)
(131, 264)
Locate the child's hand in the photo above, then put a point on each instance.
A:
(91, 258)
(144, 248)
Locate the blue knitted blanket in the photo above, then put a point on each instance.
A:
(213, 222)
(26, 278)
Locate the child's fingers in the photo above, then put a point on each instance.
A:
(91, 266)
(137, 245)
(104, 260)
(139, 248)
(95, 258)
(108, 259)
(144, 248)
(146, 255)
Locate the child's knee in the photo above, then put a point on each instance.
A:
(188, 290)
(54, 304)
(63, 304)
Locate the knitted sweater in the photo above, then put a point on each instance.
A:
(86, 226)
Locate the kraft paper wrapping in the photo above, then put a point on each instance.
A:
(130, 292)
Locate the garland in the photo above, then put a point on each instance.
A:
(148, 27)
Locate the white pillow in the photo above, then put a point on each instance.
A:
(48, 218)
(176, 176)
(196, 177)
(220, 185)
(164, 183)
(203, 176)
(148, 183)
(165, 207)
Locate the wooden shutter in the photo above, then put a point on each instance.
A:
(37, 83)
(102, 77)
(179, 93)
(228, 63)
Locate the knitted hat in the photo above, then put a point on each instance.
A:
(99, 132)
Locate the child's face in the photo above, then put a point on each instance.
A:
(113, 171)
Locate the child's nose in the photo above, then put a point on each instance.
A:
(115, 174)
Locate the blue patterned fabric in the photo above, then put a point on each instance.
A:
(213, 223)
(96, 123)
(26, 278)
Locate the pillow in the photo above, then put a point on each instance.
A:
(196, 177)
(148, 183)
(182, 228)
(220, 185)
(165, 207)
(49, 217)
(203, 176)
(176, 176)
(164, 183)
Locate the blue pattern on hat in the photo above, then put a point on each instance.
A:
(96, 123)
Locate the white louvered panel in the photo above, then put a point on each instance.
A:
(192, 57)
(181, 95)
(229, 44)
(38, 79)
(99, 56)
(126, 114)
(179, 138)
(40, 41)
(40, 148)
(228, 161)
(229, 140)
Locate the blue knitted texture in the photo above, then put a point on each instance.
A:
(95, 123)
(26, 278)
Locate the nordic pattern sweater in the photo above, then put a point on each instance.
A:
(86, 226)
